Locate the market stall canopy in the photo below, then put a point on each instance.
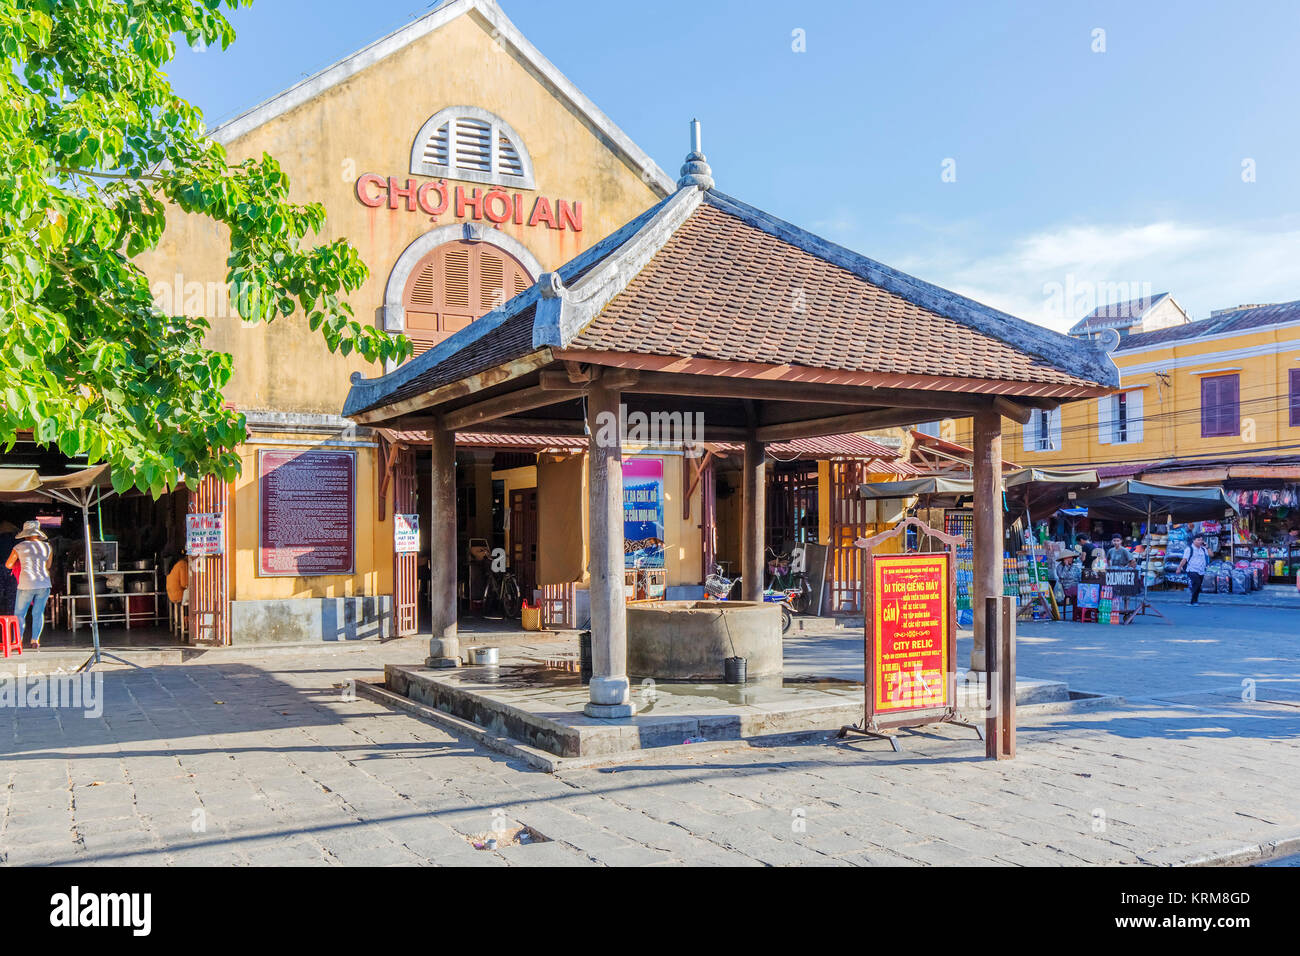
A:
(930, 485)
(1041, 491)
(18, 482)
(26, 484)
(1135, 500)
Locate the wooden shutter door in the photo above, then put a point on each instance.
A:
(1231, 394)
(1295, 398)
(209, 574)
(455, 284)
(1219, 408)
(406, 587)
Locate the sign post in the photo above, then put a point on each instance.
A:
(910, 611)
(1000, 689)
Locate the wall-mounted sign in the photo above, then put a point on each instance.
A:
(306, 512)
(498, 206)
(406, 534)
(911, 615)
(643, 512)
(205, 535)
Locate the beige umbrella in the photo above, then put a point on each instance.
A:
(84, 489)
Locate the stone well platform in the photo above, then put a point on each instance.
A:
(541, 707)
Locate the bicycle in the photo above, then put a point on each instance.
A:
(793, 583)
(720, 588)
(503, 589)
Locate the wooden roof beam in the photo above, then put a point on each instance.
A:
(512, 403)
(839, 424)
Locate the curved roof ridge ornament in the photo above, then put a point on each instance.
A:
(696, 170)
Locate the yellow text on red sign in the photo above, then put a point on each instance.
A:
(911, 616)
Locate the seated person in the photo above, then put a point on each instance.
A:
(1068, 573)
(178, 581)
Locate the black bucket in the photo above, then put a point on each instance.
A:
(584, 656)
(734, 670)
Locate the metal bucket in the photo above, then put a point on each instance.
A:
(486, 656)
(733, 670)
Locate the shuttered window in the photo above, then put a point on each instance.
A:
(467, 143)
(1295, 398)
(455, 284)
(1043, 430)
(1220, 406)
(1120, 418)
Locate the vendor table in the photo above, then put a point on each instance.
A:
(77, 611)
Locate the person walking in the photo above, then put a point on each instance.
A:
(34, 553)
(1194, 560)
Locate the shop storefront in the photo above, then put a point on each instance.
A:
(136, 542)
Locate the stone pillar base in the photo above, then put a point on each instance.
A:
(609, 690)
(609, 710)
(443, 652)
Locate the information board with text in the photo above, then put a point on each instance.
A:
(911, 632)
(306, 512)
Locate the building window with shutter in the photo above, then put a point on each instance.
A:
(471, 144)
(1043, 430)
(1220, 406)
(1295, 398)
(1120, 418)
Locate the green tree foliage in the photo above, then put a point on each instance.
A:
(94, 146)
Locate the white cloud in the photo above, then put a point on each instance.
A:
(1056, 276)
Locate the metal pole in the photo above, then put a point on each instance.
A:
(90, 576)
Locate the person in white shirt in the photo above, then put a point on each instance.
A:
(1194, 560)
(35, 554)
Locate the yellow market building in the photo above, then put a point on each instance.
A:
(460, 187)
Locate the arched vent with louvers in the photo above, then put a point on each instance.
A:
(468, 143)
(455, 284)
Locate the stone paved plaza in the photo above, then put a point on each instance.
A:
(267, 760)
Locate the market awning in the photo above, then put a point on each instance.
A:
(930, 485)
(1136, 500)
(1041, 491)
(18, 482)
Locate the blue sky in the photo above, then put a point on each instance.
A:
(1079, 175)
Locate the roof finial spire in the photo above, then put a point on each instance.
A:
(696, 170)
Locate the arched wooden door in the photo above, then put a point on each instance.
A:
(455, 284)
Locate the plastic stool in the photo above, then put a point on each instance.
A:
(11, 634)
(1088, 615)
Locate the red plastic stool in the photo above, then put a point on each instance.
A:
(11, 634)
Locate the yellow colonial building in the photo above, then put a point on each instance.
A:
(1212, 401)
(462, 164)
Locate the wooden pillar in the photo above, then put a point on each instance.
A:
(608, 692)
(444, 645)
(482, 527)
(753, 533)
(986, 473)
